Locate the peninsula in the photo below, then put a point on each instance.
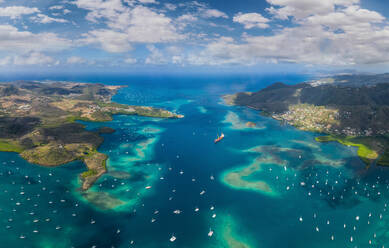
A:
(38, 121)
(351, 109)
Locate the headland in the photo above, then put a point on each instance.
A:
(350, 109)
(38, 121)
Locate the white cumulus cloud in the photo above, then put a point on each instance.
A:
(303, 8)
(333, 33)
(127, 25)
(213, 13)
(14, 12)
(111, 41)
(15, 41)
(251, 20)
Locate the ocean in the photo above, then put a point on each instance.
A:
(268, 186)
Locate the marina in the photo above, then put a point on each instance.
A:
(259, 188)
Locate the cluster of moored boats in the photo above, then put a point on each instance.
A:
(330, 186)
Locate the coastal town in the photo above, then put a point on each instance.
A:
(322, 119)
(345, 108)
(309, 117)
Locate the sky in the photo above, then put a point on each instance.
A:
(187, 36)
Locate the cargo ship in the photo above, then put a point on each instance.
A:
(219, 138)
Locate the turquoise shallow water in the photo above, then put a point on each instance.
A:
(317, 195)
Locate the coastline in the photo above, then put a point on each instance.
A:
(56, 138)
(370, 151)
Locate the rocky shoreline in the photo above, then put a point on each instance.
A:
(38, 121)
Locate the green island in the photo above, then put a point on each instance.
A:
(38, 121)
(350, 109)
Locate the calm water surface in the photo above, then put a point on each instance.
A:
(270, 186)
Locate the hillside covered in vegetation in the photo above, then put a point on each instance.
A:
(37, 120)
(352, 109)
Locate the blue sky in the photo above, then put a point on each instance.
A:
(211, 36)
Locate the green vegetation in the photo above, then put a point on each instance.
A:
(104, 163)
(117, 108)
(39, 122)
(365, 146)
(111, 104)
(351, 109)
(96, 163)
(74, 118)
(101, 116)
(88, 173)
(9, 146)
(48, 155)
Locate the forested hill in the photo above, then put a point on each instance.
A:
(353, 110)
(360, 108)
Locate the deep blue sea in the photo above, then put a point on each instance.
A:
(270, 186)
